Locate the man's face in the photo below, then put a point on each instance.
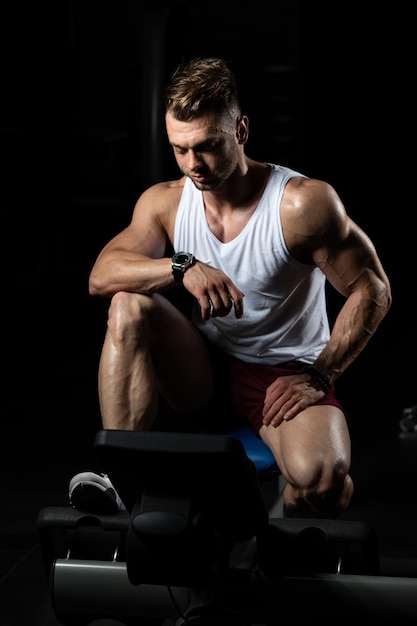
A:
(206, 149)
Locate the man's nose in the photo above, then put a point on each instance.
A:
(194, 159)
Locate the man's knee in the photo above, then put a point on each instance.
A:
(325, 494)
(128, 311)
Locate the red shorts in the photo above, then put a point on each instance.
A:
(245, 384)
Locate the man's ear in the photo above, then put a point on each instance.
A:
(242, 129)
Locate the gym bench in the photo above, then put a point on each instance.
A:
(199, 545)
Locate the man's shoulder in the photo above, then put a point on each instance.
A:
(167, 187)
(302, 188)
(160, 199)
(164, 193)
(310, 206)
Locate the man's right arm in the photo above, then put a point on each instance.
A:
(134, 259)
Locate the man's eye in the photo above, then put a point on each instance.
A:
(209, 147)
(198, 150)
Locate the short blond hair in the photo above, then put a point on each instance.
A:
(202, 85)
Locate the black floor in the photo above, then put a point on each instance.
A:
(51, 416)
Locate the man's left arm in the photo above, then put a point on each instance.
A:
(317, 229)
(353, 268)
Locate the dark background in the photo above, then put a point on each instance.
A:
(330, 90)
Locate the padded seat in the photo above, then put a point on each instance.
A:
(255, 448)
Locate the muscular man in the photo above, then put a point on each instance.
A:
(254, 245)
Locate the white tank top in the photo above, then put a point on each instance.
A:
(285, 316)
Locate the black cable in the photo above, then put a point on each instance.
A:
(177, 608)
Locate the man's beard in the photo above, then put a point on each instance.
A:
(216, 180)
(213, 186)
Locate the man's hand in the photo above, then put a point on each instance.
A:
(214, 291)
(287, 396)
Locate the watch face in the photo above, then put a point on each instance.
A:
(181, 261)
(182, 258)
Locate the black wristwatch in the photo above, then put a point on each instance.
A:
(181, 261)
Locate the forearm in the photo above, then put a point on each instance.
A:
(354, 326)
(125, 271)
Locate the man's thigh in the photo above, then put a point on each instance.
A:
(315, 438)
